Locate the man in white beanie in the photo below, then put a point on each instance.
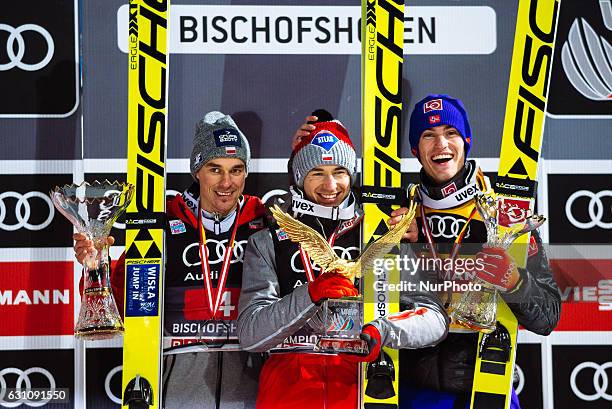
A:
(207, 230)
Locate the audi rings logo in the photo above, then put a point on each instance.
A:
(23, 211)
(342, 252)
(446, 226)
(598, 212)
(24, 383)
(107, 384)
(15, 38)
(216, 251)
(600, 381)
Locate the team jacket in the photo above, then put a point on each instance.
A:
(277, 315)
(201, 351)
(536, 303)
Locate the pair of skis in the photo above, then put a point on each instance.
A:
(382, 60)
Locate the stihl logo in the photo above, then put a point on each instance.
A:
(35, 297)
(297, 205)
(433, 105)
(528, 104)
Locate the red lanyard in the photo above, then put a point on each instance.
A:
(211, 292)
(306, 259)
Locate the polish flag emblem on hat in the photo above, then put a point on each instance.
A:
(230, 150)
(434, 119)
(326, 157)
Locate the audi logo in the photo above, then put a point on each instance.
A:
(218, 250)
(600, 381)
(448, 227)
(23, 211)
(24, 383)
(107, 386)
(596, 209)
(342, 252)
(16, 60)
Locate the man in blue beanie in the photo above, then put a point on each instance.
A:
(440, 137)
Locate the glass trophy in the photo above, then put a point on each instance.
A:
(92, 209)
(477, 310)
(342, 326)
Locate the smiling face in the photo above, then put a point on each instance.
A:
(221, 184)
(441, 152)
(327, 185)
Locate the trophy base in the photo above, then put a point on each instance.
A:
(98, 333)
(343, 345)
(473, 325)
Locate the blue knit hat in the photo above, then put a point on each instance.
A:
(435, 110)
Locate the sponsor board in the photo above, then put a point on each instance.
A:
(581, 376)
(103, 378)
(36, 298)
(528, 375)
(586, 291)
(39, 59)
(233, 29)
(581, 81)
(40, 370)
(27, 215)
(580, 208)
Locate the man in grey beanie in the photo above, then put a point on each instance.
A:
(207, 230)
(282, 289)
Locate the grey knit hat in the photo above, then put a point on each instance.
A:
(218, 136)
(328, 144)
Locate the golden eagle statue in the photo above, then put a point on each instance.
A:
(324, 256)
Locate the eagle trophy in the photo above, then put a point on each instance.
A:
(324, 256)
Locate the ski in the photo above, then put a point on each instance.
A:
(144, 244)
(515, 185)
(381, 87)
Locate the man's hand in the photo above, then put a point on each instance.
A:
(83, 246)
(412, 234)
(303, 131)
(371, 336)
(331, 285)
(498, 269)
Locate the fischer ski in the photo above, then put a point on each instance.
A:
(145, 217)
(381, 87)
(515, 186)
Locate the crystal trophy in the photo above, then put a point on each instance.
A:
(92, 209)
(341, 319)
(477, 310)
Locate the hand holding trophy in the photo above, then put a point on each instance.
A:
(92, 209)
(477, 310)
(342, 316)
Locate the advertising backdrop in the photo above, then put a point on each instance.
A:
(63, 101)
